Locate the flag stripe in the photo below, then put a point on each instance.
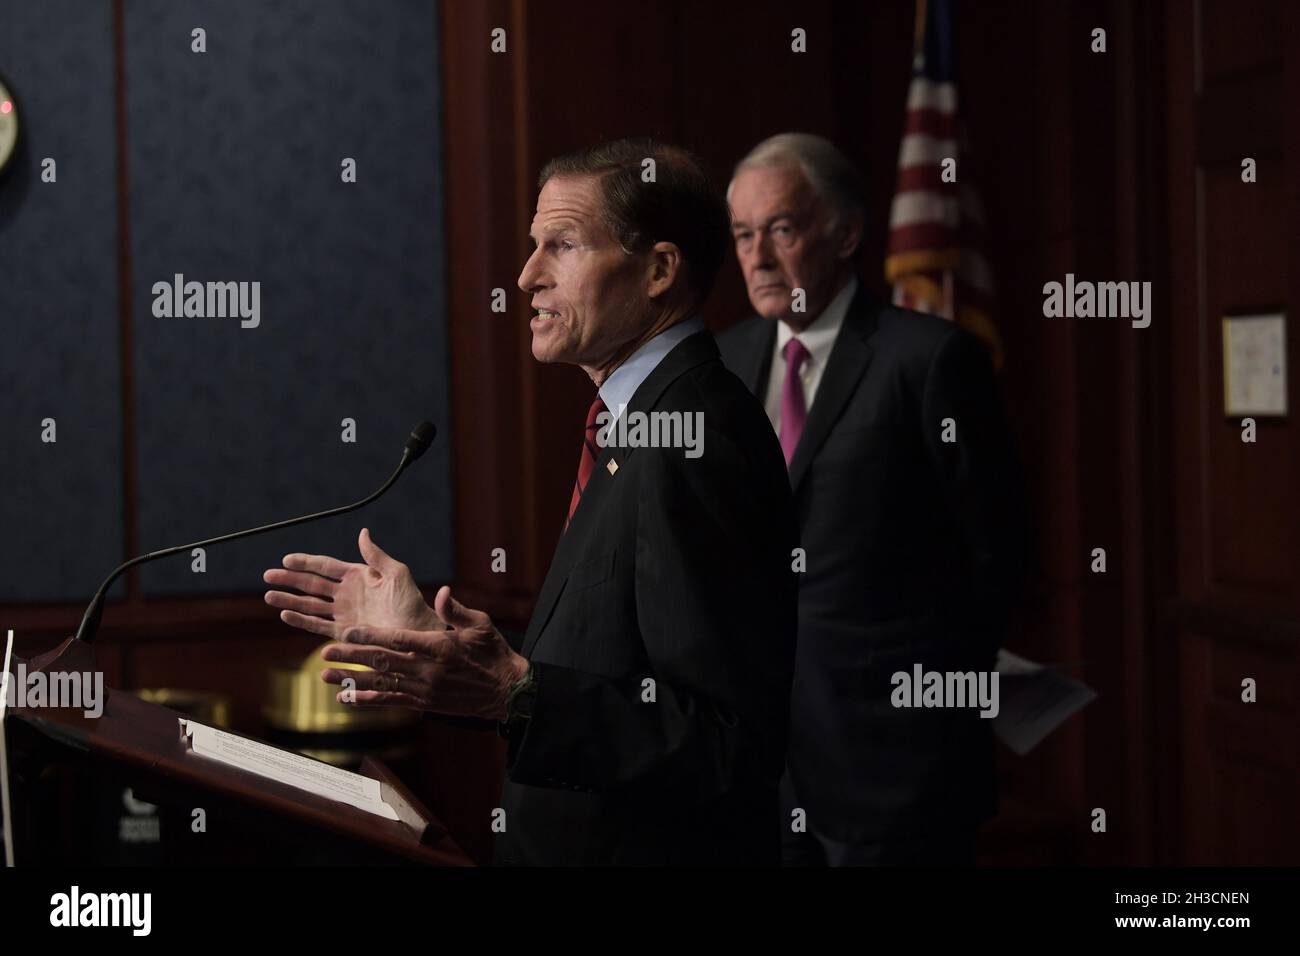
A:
(931, 122)
(920, 208)
(919, 149)
(928, 94)
(927, 178)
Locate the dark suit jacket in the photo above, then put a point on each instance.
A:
(678, 570)
(913, 549)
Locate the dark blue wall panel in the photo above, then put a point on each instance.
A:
(235, 176)
(61, 504)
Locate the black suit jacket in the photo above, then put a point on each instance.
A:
(675, 570)
(913, 548)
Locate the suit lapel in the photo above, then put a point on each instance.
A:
(848, 360)
(573, 541)
(757, 364)
(687, 354)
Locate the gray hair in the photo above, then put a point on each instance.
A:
(829, 172)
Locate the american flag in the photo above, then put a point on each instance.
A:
(935, 261)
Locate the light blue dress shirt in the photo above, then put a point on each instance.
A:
(627, 378)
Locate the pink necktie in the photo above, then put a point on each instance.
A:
(793, 412)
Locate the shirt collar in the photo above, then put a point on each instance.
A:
(627, 378)
(819, 336)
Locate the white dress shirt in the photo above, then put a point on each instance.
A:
(818, 338)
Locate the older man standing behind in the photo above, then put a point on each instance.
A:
(648, 711)
(908, 504)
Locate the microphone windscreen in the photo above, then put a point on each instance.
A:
(422, 436)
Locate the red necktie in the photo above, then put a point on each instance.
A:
(589, 455)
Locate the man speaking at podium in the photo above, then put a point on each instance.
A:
(647, 714)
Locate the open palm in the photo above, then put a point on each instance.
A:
(338, 594)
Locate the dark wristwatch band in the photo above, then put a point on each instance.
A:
(519, 704)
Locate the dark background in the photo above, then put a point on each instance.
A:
(376, 304)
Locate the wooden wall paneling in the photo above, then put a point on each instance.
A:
(1238, 586)
(1290, 200)
(1241, 35)
(1107, 456)
(1028, 168)
(1184, 294)
(491, 440)
(1251, 529)
(1153, 698)
(1197, 829)
(1141, 647)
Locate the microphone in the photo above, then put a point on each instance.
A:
(417, 444)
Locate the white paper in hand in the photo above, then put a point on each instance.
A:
(1035, 700)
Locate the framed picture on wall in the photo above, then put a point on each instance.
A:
(1254, 364)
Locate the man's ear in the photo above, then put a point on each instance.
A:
(666, 268)
(848, 238)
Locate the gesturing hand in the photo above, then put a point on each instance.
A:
(466, 671)
(337, 595)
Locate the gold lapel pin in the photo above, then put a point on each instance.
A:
(612, 466)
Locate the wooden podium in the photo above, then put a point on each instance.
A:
(57, 757)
